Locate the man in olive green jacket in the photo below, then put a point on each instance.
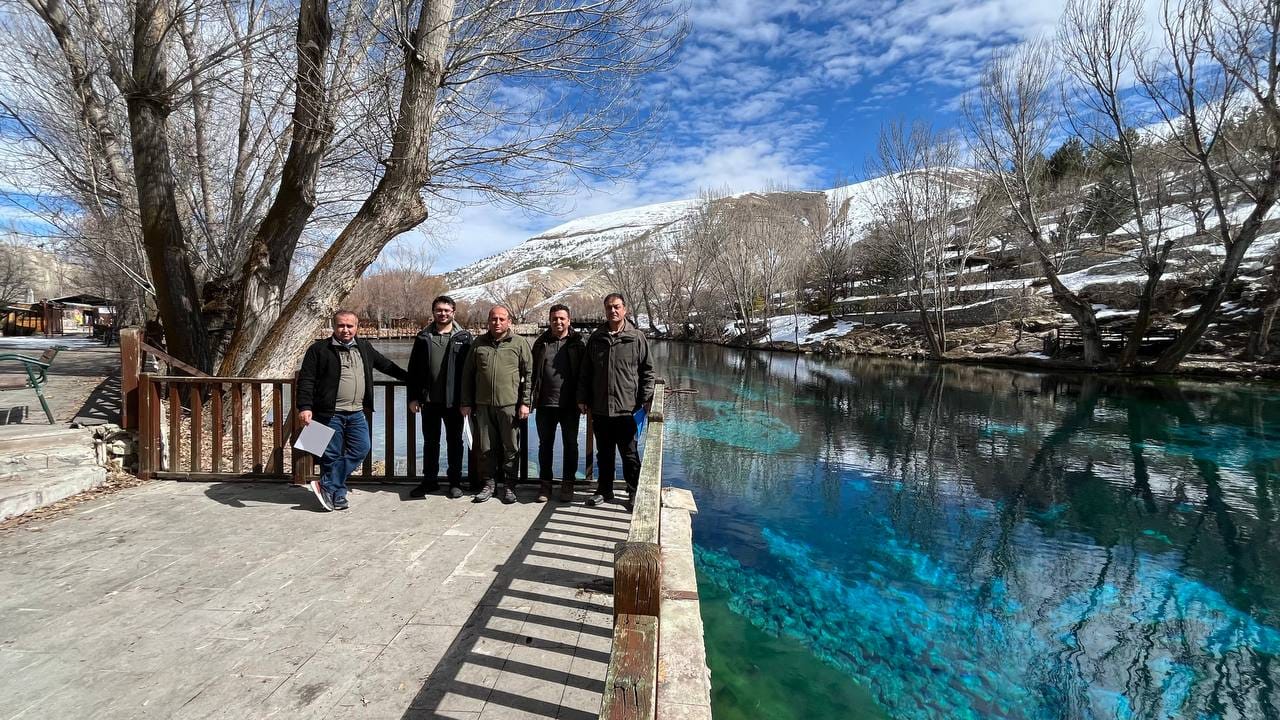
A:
(495, 391)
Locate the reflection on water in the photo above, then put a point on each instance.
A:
(962, 542)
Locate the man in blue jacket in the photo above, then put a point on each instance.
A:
(435, 388)
(335, 387)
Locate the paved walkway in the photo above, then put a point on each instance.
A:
(194, 600)
(83, 384)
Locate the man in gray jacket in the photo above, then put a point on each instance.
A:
(616, 380)
(495, 391)
(435, 386)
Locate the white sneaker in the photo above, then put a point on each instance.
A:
(323, 496)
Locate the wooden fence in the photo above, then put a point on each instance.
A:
(200, 427)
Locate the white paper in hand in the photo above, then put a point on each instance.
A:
(314, 438)
(467, 440)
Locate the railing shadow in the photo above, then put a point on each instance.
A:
(103, 404)
(537, 644)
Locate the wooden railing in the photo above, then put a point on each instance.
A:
(199, 427)
(632, 680)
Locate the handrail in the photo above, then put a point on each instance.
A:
(173, 361)
(631, 683)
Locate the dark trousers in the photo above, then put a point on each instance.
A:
(616, 434)
(549, 420)
(433, 414)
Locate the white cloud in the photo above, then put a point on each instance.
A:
(471, 232)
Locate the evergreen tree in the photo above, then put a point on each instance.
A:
(1067, 161)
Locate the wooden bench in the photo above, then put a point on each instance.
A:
(36, 369)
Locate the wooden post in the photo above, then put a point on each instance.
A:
(630, 687)
(144, 424)
(216, 420)
(277, 428)
(175, 425)
(389, 429)
(237, 427)
(255, 426)
(637, 579)
(197, 427)
(130, 367)
(303, 462)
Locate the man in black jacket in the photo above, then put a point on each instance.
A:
(435, 387)
(616, 380)
(335, 387)
(557, 359)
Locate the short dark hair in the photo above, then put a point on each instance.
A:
(557, 308)
(611, 296)
(444, 299)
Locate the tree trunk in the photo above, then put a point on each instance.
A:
(393, 207)
(162, 235)
(1260, 338)
(1143, 320)
(1079, 310)
(935, 349)
(1191, 334)
(260, 293)
(93, 113)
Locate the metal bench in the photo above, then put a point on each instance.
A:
(36, 369)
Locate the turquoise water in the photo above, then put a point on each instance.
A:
(881, 539)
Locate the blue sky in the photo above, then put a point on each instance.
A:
(766, 93)
(784, 92)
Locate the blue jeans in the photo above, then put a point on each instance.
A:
(347, 448)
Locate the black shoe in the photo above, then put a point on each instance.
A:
(424, 488)
(596, 499)
(483, 495)
(508, 496)
(455, 492)
(341, 504)
(628, 505)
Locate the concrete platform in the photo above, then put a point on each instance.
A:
(193, 600)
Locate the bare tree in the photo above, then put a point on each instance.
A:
(929, 214)
(1102, 43)
(15, 274)
(1011, 118)
(392, 102)
(829, 238)
(1216, 51)
(630, 272)
(682, 268)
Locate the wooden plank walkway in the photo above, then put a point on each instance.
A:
(238, 600)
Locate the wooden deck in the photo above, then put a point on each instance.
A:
(241, 600)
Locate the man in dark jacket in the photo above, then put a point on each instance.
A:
(335, 387)
(557, 359)
(616, 381)
(435, 385)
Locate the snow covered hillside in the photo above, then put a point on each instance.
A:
(583, 245)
